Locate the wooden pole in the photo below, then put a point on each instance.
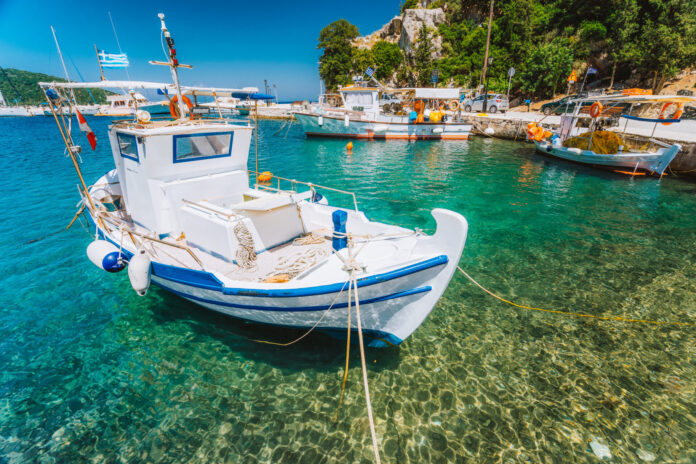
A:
(69, 146)
(101, 71)
(488, 42)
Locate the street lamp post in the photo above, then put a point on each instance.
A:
(485, 87)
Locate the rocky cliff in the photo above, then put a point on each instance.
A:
(404, 30)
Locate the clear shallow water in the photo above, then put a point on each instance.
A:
(91, 372)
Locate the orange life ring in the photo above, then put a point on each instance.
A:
(453, 105)
(265, 176)
(596, 109)
(677, 114)
(174, 108)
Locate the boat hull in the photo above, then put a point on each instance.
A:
(331, 126)
(650, 162)
(393, 302)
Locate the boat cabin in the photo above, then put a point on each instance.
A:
(191, 180)
(125, 102)
(364, 99)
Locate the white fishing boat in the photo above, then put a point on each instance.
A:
(358, 114)
(127, 105)
(592, 135)
(182, 210)
(226, 105)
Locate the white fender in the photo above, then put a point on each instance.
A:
(346, 121)
(438, 130)
(489, 131)
(105, 256)
(139, 272)
(320, 120)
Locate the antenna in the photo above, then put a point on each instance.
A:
(62, 61)
(173, 64)
(117, 43)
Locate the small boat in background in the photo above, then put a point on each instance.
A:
(18, 110)
(589, 135)
(358, 112)
(125, 105)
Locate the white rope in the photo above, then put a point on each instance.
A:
(309, 239)
(246, 254)
(373, 433)
(298, 262)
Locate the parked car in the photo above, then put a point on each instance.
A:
(563, 105)
(496, 102)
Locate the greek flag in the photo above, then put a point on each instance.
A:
(369, 71)
(591, 70)
(113, 60)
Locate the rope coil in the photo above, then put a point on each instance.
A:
(246, 254)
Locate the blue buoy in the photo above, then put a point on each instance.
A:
(412, 116)
(52, 94)
(340, 241)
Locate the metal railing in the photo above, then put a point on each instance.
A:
(294, 183)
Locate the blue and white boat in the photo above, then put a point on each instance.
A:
(587, 123)
(181, 210)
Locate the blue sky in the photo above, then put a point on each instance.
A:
(230, 44)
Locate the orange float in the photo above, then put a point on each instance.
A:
(637, 92)
(265, 176)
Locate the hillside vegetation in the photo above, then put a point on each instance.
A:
(22, 86)
(642, 42)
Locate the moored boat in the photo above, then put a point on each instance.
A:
(358, 114)
(591, 134)
(179, 211)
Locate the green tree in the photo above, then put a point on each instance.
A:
(408, 4)
(667, 38)
(423, 61)
(361, 59)
(388, 57)
(23, 87)
(547, 67)
(621, 37)
(336, 61)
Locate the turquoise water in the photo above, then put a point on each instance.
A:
(90, 372)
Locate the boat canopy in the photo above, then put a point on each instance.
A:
(639, 99)
(248, 92)
(436, 94)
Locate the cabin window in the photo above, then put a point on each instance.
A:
(358, 99)
(128, 146)
(194, 147)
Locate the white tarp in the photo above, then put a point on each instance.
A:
(439, 94)
(169, 88)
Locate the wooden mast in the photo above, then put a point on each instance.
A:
(101, 71)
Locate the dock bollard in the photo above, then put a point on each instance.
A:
(340, 241)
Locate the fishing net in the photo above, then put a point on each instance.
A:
(603, 142)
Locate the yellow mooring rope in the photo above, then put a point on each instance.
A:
(571, 313)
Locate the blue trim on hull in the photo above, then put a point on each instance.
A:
(413, 291)
(376, 338)
(206, 280)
